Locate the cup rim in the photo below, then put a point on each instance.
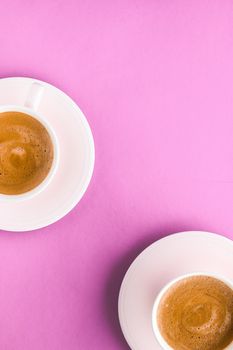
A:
(56, 154)
(159, 296)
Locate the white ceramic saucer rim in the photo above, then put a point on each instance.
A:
(73, 201)
(133, 266)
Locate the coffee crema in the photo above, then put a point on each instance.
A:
(26, 153)
(196, 313)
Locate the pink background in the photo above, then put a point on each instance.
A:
(155, 80)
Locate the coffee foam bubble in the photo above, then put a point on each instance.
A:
(196, 313)
(26, 153)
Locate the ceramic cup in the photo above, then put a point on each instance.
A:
(30, 107)
(155, 327)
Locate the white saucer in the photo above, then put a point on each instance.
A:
(76, 158)
(164, 260)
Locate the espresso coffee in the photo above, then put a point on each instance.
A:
(196, 313)
(26, 153)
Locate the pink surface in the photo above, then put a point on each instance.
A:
(155, 80)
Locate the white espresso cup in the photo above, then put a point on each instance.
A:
(30, 107)
(159, 297)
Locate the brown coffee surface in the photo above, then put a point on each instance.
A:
(26, 153)
(196, 313)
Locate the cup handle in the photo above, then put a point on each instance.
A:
(34, 96)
